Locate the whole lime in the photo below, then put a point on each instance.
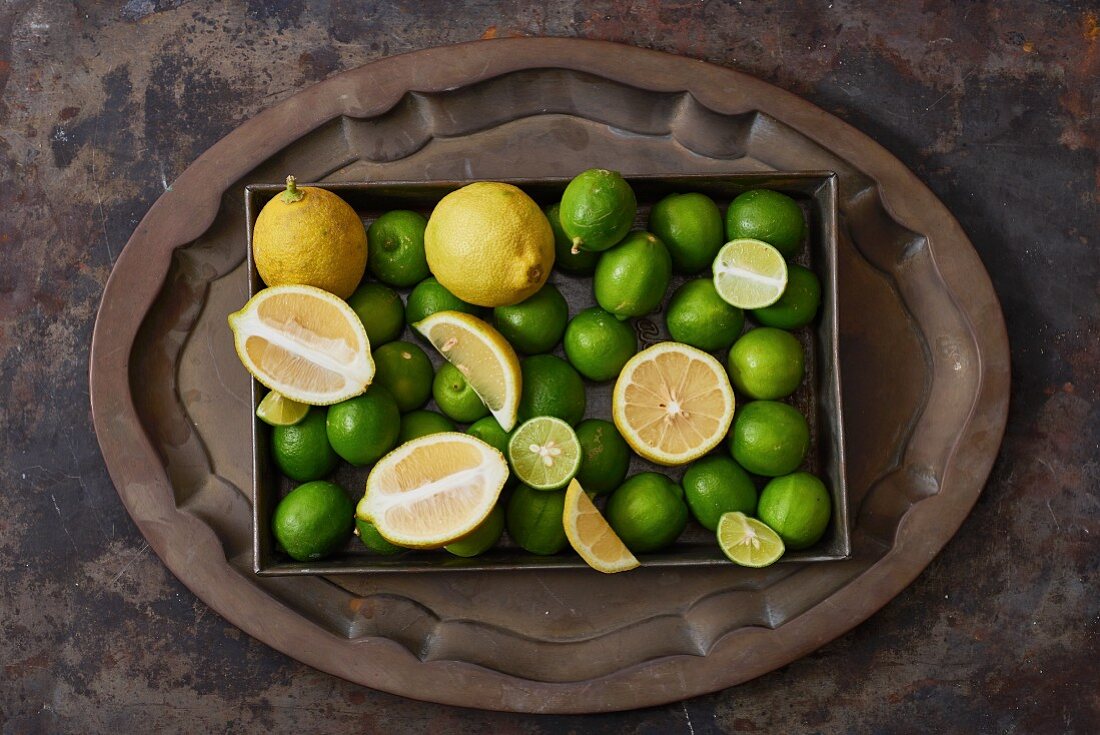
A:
(482, 538)
(699, 317)
(799, 303)
(313, 520)
(406, 372)
(455, 397)
(797, 507)
(416, 424)
(551, 387)
(766, 363)
(646, 512)
(597, 209)
(632, 277)
(364, 428)
(381, 311)
(396, 246)
(373, 540)
(769, 438)
(534, 520)
(536, 324)
(488, 430)
(690, 226)
(715, 485)
(763, 214)
(301, 451)
(605, 456)
(429, 296)
(598, 345)
(580, 263)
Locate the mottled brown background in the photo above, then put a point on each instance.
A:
(994, 105)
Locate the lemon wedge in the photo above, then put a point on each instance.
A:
(591, 536)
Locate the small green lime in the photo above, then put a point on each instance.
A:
(416, 424)
(373, 540)
(797, 507)
(798, 305)
(429, 296)
(769, 438)
(646, 512)
(762, 214)
(597, 209)
(395, 247)
(534, 519)
(580, 263)
(551, 387)
(598, 345)
(535, 324)
(747, 541)
(544, 453)
(455, 397)
(699, 317)
(406, 372)
(313, 520)
(605, 456)
(632, 277)
(364, 428)
(381, 311)
(278, 410)
(488, 430)
(766, 363)
(301, 451)
(690, 226)
(715, 485)
(482, 538)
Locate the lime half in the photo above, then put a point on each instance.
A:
(545, 453)
(750, 274)
(747, 541)
(278, 410)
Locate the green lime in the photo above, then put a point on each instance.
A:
(455, 397)
(381, 311)
(482, 538)
(605, 456)
(715, 485)
(373, 540)
(489, 431)
(797, 507)
(647, 512)
(690, 226)
(278, 410)
(747, 541)
(597, 209)
(534, 519)
(395, 248)
(406, 372)
(769, 438)
(699, 317)
(301, 451)
(762, 214)
(535, 324)
(598, 344)
(798, 305)
(429, 296)
(416, 424)
(766, 363)
(313, 520)
(749, 274)
(544, 453)
(551, 387)
(364, 428)
(580, 263)
(632, 277)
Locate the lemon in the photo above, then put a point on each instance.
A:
(304, 343)
(749, 274)
(489, 244)
(275, 410)
(591, 536)
(747, 541)
(312, 237)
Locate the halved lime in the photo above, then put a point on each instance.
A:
(278, 410)
(747, 541)
(750, 274)
(545, 453)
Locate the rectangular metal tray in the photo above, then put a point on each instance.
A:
(819, 397)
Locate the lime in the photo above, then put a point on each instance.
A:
(416, 424)
(406, 372)
(278, 410)
(798, 305)
(798, 508)
(455, 397)
(597, 209)
(364, 428)
(395, 243)
(766, 363)
(301, 451)
(482, 538)
(489, 431)
(313, 520)
(598, 344)
(544, 453)
(580, 263)
(747, 541)
(381, 311)
(690, 226)
(769, 438)
(551, 387)
(715, 485)
(605, 456)
(534, 519)
(632, 277)
(750, 274)
(767, 215)
(699, 317)
(647, 512)
(536, 324)
(373, 540)
(429, 297)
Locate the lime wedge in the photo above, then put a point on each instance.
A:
(278, 410)
(545, 453)
(747, 541)
(750, 274)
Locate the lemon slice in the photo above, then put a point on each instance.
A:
(747, 541)
(304, 343)
(591, 536)
(482, 355)
(672, 403)
(433, 490)
(750, 274)
(278, 410)
(545, 453)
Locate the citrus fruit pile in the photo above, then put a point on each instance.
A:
(437, 353)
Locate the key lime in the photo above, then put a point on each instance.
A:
(580, 263)
(301, 451)
(551, 387)
(396, 242)
(605, 456)
(544, 453)
(798, 507)
(534, 520)
(632, 277)
(690, 226)
(313, 520)
(769, 438)
(767, 215)
(381, 311)
(766, 363)
(597, 209)
(799, 303)
(373, 540)
(455, 397)
(406, 372)
(747, 541)
(489, 431)
(646, 512)
(364, 428)
(277, 410)
(536, 324)
(429, 297)
(699, 317)
(749, 274)
(416, 424)
(598, 344)
(715, 485)
(482, 538)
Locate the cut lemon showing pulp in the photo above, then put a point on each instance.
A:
(591, 536)
(749, 274)
(433, 490)
(303, 343)
(545, 453)
(672, 403)
(278, 410)
(747, 541)
(482, 355)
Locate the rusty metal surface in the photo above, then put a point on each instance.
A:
(993, 106)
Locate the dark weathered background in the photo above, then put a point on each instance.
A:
(994, 105)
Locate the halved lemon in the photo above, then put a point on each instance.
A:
(303, 343)
(672, 403)
(591, 536)
(749, 274)
(482, 355)
(433, 490)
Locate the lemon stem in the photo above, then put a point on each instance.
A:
(577, 242)
(292, 193)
